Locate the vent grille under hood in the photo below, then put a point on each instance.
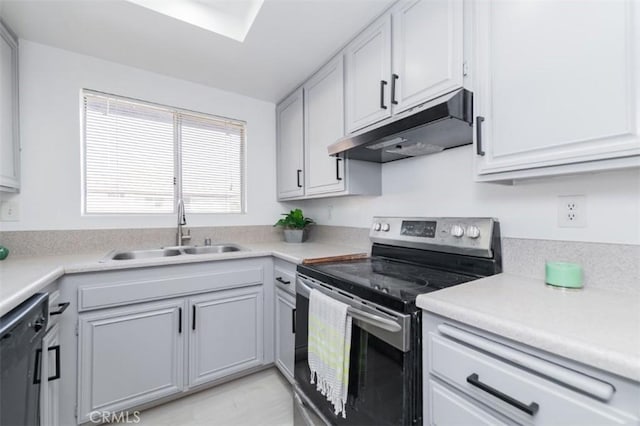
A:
(440, 124)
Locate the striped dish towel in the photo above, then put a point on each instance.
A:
(329, 348)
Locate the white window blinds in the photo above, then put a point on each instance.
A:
(212, 164)
(131, 159)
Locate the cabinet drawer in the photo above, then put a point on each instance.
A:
(285, 280)
(452, 408)
(128, 290)
(514, 391)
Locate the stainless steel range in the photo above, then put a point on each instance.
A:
(409, 256)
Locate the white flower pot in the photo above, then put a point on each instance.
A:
(295, 235)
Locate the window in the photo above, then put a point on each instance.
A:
(141, 158)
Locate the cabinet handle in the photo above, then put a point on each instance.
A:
(298, 178)
(530, 409)
(193, 317)
(179, 320)
(479, 150)
(280, 279)
(394, 78)
(338, 168)
(56, 376)
(61, 308)
(382, 84)
(37, 370)
(293, 321)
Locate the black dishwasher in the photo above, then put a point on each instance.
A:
(21, 332)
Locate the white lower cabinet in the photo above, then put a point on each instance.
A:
(130, 356)
(448, 407)
(285, 332)
(49, 378)
(284, 278)
(473, 377)
(224, 333)
(148, 333)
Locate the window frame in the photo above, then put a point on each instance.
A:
(177, 154)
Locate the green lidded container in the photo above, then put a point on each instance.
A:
(4, 252)
(563, 274)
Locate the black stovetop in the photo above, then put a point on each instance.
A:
(388, 282)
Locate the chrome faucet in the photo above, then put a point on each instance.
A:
(182, 220)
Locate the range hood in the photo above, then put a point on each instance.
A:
(439, 124)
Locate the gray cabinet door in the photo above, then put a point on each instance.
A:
(559, 94)
(285, 332)
(225, 333)
(427, 51)
(368, 69)
(49, 389)
(130, 356)
(324, 125)
(290, 145)
(9, 138)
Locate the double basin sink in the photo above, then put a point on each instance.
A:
(172, 251)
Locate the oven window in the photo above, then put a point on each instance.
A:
(379, 377)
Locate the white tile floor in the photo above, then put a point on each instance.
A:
(262, 398)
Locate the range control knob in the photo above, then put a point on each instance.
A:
(473, 231)
(376, 226)
(457, 231)
(385, 227)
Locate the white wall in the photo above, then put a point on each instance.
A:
(437, 185)
(51, 81)
(442, 185)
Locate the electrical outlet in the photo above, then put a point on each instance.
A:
(9, 211)
(329, 212)
(572, 211)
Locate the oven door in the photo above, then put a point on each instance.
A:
(384, 369)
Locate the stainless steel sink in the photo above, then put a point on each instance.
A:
(171, 251)
(216, 248)
(145, 254)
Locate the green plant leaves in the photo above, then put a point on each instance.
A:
(294, 220)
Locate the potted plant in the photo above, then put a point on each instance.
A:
(295, 226)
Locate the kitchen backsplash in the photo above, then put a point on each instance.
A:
(610, 266)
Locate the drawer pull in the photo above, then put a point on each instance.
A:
(281, 280)
(572, 379)
(62, 307)
(530, 409)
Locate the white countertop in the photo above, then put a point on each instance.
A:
(23, 276)
(593, 326)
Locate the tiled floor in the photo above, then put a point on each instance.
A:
(263, 398)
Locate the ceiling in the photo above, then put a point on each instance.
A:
(289, 39)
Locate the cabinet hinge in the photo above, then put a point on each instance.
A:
(175, 180)
(465, 68)
(77, 327)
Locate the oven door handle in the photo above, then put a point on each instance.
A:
(375, 320)
(372, 319)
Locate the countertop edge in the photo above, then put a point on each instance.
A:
(61, 268)
(582, 352)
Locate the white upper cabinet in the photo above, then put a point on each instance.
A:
(9, 139)
(427, 51)
(409, 56)
(557, 86)
(309, 120)
(290, 160)
(368, 61)
(324, 124)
